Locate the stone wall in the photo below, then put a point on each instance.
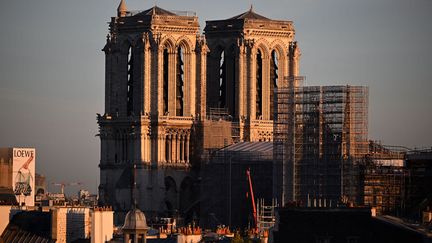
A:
(70, 223)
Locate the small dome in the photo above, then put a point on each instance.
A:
(135, 220)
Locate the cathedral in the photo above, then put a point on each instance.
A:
(173, 95)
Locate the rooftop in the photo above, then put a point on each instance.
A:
(155, 11)
(263, 147)
(250, 14)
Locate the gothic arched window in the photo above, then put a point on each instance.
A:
(274, 66)
(259, 67)
(226, 78)
(130, 67)
(165, 81)
(180, 82)
(222, 80)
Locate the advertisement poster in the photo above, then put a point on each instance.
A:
(23, 175)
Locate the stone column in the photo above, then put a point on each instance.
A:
(157, 87)
(178, 148)
(241, 82)
(159, 141)
(293, 60)
(148, 148)
(265, 95)
(169, 149)
(143, 146)
(252, 83)
(182, 149)
(163, 148)
(187, 149)
(201, 80)
(296, 60)
(147, 72)
(173, 148)
(189, 76)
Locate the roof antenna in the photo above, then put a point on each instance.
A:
(251, 8)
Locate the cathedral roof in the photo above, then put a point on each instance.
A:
(250, 14)
(249, 147)
(156, 11)
(251, 151)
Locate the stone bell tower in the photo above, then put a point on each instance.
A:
(249, 56)
(155, 95)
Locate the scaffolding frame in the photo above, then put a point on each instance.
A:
(320, 141)
(284, 138)
(384, 178)
(384, 188)
(265, 215)
(227, 169)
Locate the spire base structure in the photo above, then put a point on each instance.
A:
(122, 9)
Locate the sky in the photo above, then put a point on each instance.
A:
(52, 68)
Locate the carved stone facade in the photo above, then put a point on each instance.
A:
(161, 77)
(249, 55)
(155, 66)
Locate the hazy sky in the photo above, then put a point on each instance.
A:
(52, 68)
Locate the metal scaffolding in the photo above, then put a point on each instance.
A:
(384, 176)
(225, 187)
(265, 215)
(320, 140)
(284, 139)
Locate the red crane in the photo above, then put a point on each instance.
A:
(252, 197)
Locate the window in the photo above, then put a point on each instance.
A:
(165, 81)
(222, 80)
(227, 80)
(274, 62)
(259, 66)
(130, 66)
(180, 82)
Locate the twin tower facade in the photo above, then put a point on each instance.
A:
(164, 82)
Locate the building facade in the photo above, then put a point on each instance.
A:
(163, 82)
(248, 57)
(155, 65)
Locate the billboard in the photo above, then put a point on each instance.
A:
(23, 175)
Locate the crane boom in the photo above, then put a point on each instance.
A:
(252, 197)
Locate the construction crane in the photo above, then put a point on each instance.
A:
(63, 184)
(252, 198)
